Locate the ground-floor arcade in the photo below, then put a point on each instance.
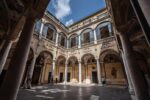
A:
(106, 70)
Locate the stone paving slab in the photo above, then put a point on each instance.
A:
(60, 92)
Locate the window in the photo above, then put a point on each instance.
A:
(62, 40)
(49, 32)
(87, 36)
(38, 26)
(104, 32)
(74, 41)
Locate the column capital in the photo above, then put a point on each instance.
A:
(66, 63)
(97, 59)
(101, 62)
(79, 61)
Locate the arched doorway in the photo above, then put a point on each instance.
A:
(60, 69)
(41, 74)
(89, 73)
(112, 68)
(73, 69)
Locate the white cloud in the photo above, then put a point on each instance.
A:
(69, 22)
(62, 8)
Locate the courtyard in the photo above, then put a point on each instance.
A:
(67, 92)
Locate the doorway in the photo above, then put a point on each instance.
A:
(49, 77)
(36, 75)
(94, 77)
(61, 77)
(68, 77)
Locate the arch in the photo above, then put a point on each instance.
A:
(84, 30)
(73, 66)
(45, 52)
(73, 40)
(62, 39)
(61, 60)
(72, 60)
(112, 68)
(87, 36)
(49, 31)
(106, 52)
(103, 30)
(101, 24)
(86, 57)
(74, 34)
(42, 64)
(51, 25)
(62, 33)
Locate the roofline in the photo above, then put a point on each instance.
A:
(67, 27)
(103, 9)
(56, 18)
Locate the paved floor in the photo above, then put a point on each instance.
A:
(59, 92)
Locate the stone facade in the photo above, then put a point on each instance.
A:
(56, 55)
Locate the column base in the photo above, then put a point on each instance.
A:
(80, 83)
(100, 84)
(95, 42)
(132, 93)
(65, 83)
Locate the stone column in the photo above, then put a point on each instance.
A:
(67, 43)
(79, 45)
(95, 37)
(99, 72)
(137, 78)
(15, 72)
(41, 30)
(30, 73)
(80, 72)
(42, 73)
(110, 29)
(66, 71)
(4, 54)
(131, 90)
(57, 35)
(53, 71)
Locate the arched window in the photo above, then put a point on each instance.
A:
(38, 26)
(103, 30)
(62, 40)
(87, 36)
(73, 41)
(49, 32)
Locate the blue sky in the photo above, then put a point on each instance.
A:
(71, 11)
